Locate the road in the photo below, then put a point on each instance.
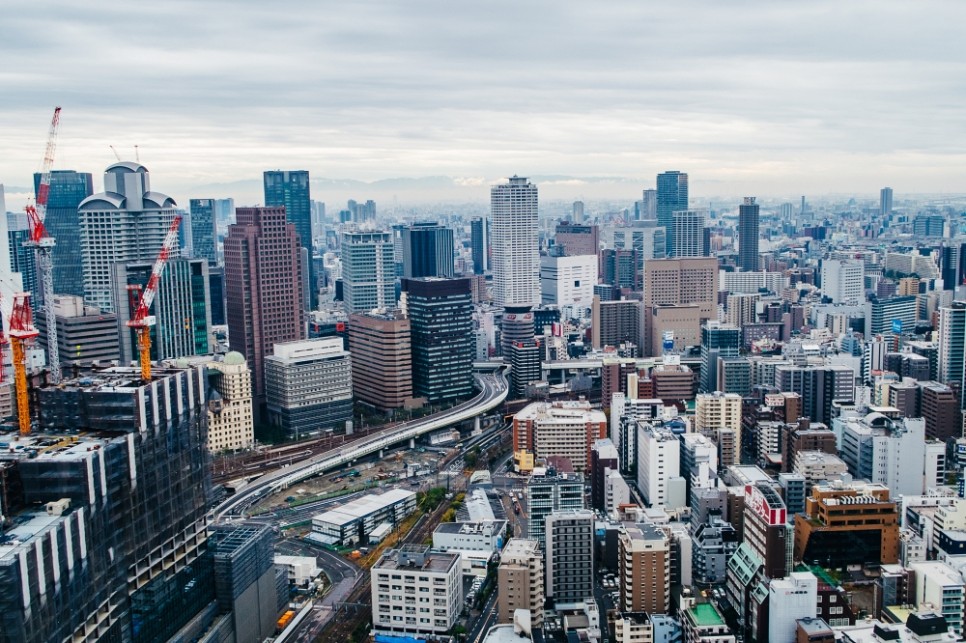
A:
(494, 389)
(483, 622)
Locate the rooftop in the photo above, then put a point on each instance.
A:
(364, 506)
(705, 615)
(417, 557)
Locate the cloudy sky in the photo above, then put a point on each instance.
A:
(748, 97)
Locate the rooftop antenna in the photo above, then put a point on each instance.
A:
(137, 156)
(116, 155)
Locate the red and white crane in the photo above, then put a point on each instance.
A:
(22, 333)
(44, 243)
(140, 320)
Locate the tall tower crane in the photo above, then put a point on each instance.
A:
(141, 321)
(22, 333)
(44, 243)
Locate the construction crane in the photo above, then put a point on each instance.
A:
(3, 340)
(44, 243)
(140, 320)
(22, 333)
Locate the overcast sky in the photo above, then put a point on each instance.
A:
(748, 97)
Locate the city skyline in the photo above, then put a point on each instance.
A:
(748, 99)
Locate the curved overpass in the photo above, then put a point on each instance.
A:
(494, 390)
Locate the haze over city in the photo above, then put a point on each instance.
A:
(750, 98)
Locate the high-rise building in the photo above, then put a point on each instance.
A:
(683, 281)
(427, 250)
(568, 281)
(551, 492)
(565, 429)
(290, 189)
(521, 580)
(569, 551)
(615, 323)
(204, 230)
(263, 288)
(818, 386)
(67, 190)
(892, 315)
(576, 239)
(603, 458)
(648, 210)
(516, 248)
(842, 281)
(672, 196)
(308, 385)
(480, 244)
(645, 569)
(125, 223)
(440, 312)
(23, 258)
(718, 341)
(687, 233)
(115, 518)
(885, 201)
(84, 334)
(231, 423)
(790, 599)
(182, 308)
(400, 575)
(578, 213)
(368, 271)
(382, 358)
(952, 344)
(748, 235)
(659, 466)
(620, 268)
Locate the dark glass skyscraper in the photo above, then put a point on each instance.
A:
(672, 196)
(67, 189)
(441, 318)
(748, 235)
(23, 259)
(427, 251)
(291, 191)
(204, 236)
(480, 241)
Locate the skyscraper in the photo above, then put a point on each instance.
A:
(516, 250)
(885, 201)
(648, 211)
(291, 190)
(952, 343)
(687, 233)
(368, 271)
(67, 190)
(125, 223)
(427, 250)
(263, 288)
(480, 242)
(578, 216)
(717, 341)
(204, 234)
(672, 196)
(748, 235)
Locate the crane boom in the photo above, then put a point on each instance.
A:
(22, 332)
(141, 321)
(44, 243)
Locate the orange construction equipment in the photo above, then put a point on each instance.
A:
(140, 320)
(22, 333)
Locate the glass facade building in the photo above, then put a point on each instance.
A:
(291, 191)
(67, 190)
(204, 236)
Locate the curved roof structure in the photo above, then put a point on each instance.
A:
(234, 358)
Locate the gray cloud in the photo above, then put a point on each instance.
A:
(748, 96)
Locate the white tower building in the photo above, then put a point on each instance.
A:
(516, 251)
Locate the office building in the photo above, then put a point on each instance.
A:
(716, 411)
(427, 250)
(67, 190)
(577, 240)
(645, 238)
(644, 554)
(659, 466)
(521, 581)
(718, 341)
(291, 191)
(790, 599)
(23, 258)
(741, 309)
(516, 248)
(182, 308)
(231, 421)
(126, 519)
(687, 233)
(952, 344)
(524, 359)
(672, 196)
(204, 230)
(818, 387)
(84, 334)
(263, 289)
(567, 429)
(885, 450)
(216, 294)
(368, 281)
(848, 524)
(124, 224)
(569, 552)
(550, 491)
(382, 359)
(714, 542)
(765, 529)
(399, 576)
(885, 201)
(352, 523)
(703, 623)
(480, 244)
(842, 281)
(748, 235)
(308, 385)
(677, 282)
(620, 268)
(894, 315)
(940, 409)
(603, 459)
(940, 585)
(614, 323)
(440, 312)
(568, 281)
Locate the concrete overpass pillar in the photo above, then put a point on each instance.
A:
(412, 443)
(476, 424)
(382, 453)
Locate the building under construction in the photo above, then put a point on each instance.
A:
(103, 507)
